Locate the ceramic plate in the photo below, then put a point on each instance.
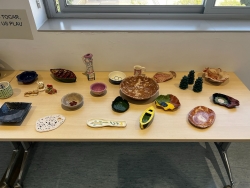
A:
(201, 117)
(14, 111)
(215, 75)
(163, 77)
(139, 87)
(167, 102)
(225, 100)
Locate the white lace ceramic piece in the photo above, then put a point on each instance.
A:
(49, 123)
(106, 123)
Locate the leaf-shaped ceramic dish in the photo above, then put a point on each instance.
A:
(63, 75)
(120, 104)
(163, 77)
(225, 100)
(97, 123)
(215, 75)
(27, 77)
(139, 87)
(167, 102)
(201, 117)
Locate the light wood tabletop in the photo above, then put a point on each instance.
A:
(230, 125)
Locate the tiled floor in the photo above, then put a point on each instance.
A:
(132, 165)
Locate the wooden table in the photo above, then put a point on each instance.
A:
(231, 125)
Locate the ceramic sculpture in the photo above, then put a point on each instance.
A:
(167, 102)
(31, 93)
(147, 117)
(88, 60)
(184, 82)
(50, 90)
(96, 123)
(63, 75)
(225, 100)
(191, 77)
(198, 85)
(41, 86)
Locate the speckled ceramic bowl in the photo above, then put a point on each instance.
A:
(72, 100)
(98, 88)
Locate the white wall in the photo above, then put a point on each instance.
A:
(157, 51)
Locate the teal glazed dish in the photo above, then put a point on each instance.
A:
(225, 100)
(120, 105)
(27, 77)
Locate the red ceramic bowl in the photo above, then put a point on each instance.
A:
(98, 88)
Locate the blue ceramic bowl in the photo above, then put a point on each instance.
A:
(27, 77)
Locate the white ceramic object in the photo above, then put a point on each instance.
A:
(116, 77)
(96, 123)
(49, 123)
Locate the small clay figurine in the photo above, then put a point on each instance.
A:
(40, 86)
(31, 93)
(89, 66)
(198, 85)
(184, 82)
(191, 77)
(50, 89)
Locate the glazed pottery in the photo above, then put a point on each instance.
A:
(167, 102)
(98, 88)
(88, 60)
(163, 77)
(49, 123)
(147, 117)
(116, 77)
(139, 87)
(225, 100)
(139, 70)
(13, 112)
(63, 75)
(201, 117)
(5, 90)
(27, 77)
(96, 123)
(215, 75)
(120, 104)
(72, 100)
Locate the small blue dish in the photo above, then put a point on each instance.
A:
(27, 77)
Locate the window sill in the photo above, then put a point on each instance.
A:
(140, 25)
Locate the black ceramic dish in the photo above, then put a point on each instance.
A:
(225, 100)
(27, 77)
(120, 104)
(13, 112)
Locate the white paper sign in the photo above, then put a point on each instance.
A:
(14, 24)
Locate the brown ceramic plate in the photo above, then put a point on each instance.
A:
(201, 117)
(215, 75)
(163, 77)
(139, 87)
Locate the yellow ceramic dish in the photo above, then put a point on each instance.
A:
(147, 117)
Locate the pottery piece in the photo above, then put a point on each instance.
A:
(163, 77)
(31, 93)
(147, 117)
(41, 86)
(139, 87)
(63, 75)
(49, 123)
(116, 77)
(88, 60)
(98, 88)
(201, 117)
(120, 104)
(13, 112)
(50, 90)
(72, 100)
(96, 123)
(225, 100)
(5, 90)
(167, 102)
(139, 70)
(215, 75)
(27, 77)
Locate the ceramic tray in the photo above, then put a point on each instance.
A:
(27, 77)
(63, 75)
(120, 104)
(163, 77)
(139, 87)
(14, 111)
(167, 102)
(201, 117)
(225, 100)
(215, 75)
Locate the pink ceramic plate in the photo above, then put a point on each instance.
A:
(201, 117)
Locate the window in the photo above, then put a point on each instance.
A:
(183, 9)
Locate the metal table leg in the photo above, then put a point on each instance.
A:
(222, 148)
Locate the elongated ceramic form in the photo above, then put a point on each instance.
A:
(225, 100)
(163, 77)
(49, 123)
(63, 75)
(147, 117)
(201, 117)
(97, 123)
(215, 75)
(167, 102)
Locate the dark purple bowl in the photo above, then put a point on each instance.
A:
(27, 77)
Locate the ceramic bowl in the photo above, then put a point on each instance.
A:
(215, 75)
(167, 102)
(225, 100)
(27, 77)
(139, 87)
(72, 100)
(98, 88)
(120, 104)
(116, 77)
